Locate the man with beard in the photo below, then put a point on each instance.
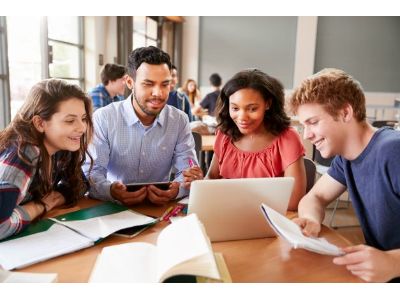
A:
(141, 138)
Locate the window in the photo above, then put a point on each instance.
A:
(65, 45)
(24, 57)
(145, 32)
(43, 47)
(4, 85)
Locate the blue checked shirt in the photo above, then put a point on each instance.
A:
(124, 150)
(100, 97)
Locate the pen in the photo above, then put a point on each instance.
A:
(174, 212)
(167, 211)
(191, 163)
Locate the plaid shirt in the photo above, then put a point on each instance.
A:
(17, 181)
(100, 97)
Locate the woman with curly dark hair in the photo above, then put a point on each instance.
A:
(254, 137)
(41, 154)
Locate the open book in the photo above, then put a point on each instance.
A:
(67, 233)
(25, 277)
(182, 249)
(291, 232)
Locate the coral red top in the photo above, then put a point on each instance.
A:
(269, 162)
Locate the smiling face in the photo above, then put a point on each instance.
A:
(247, 108)
(321, 129)
(150, 90)
(65, 128)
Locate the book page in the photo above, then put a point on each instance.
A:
(131, 262)
(103, 226)
(27, 250)
(183, 248)
(291, 232)
(25, 277)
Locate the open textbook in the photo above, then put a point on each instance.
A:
(182, 249)
(67, 233)
(291, 232)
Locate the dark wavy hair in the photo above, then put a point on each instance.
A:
(150, 55)
(43, 100)
(275, 118)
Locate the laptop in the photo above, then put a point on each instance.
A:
(230, 208)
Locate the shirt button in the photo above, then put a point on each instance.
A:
(143, 153)
(141, 171)
(164, 147)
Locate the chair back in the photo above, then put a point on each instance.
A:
(310, 173)
(317, 158)
(197, 144)
(382, 123)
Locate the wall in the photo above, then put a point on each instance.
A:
(100, 38)
(304, 51)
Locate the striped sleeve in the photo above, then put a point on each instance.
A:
(15, 177)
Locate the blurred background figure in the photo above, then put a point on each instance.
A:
(111, 88)
(191, 90)
(210, 100)
(176, 98)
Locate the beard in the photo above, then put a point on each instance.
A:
(143, 107)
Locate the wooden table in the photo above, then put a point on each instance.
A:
(256, 260)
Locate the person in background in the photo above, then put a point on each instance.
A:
(331, 106)
(191, 91)
(141, 138)
(112, 86)
(41, 154)
(210, 100)
(176, 98)
(254, 138)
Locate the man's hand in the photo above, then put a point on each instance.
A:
(191, 174)
(308, 227)
(161, 197)
(370, 264)
(118, 191)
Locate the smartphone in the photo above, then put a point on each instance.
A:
(133, 187)
(132, 231)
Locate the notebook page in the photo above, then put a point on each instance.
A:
(101, 227)
(24, 251)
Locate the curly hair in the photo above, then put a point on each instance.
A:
(43, 100)
(275, 119)
(150, 55)
(333, 89)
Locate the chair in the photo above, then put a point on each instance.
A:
(310, 173)
(197, 148)
(382, 123)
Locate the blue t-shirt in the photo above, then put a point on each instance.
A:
(373, 183)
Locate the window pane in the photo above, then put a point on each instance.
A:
(138, 41)
(24, 59)
(151, 42)
(139, 24)
(77, 82)
(64, 29)
(65, 61)
(151, 28)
